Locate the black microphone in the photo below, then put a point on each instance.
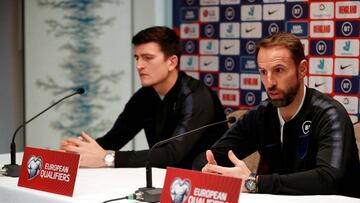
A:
(13, 169)
(151, 194)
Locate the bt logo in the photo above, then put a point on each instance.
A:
(346, 85)
(209, 30)
(229, 13)
(229, 64)
(297, 11)
(273, 28)
(321, 47)
(250, 47)
(346, 28)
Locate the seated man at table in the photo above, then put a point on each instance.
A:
(168, 104)
(305, 138)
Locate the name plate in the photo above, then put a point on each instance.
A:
(49, 171)
(192, 186)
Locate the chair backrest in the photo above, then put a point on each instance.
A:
(237, 114)
(357, 135)
(252, 161)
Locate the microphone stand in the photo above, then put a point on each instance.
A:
(13, 169)
(151, 194)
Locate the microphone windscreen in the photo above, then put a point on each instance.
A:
(231, 120)
(80, 90)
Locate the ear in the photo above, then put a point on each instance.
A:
(173, 62)
(303, 68)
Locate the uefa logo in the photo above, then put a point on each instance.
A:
(180, 190)
(34, 166)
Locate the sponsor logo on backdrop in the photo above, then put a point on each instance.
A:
(189, 46)
(189, 14)
(349, 102)
(273, 12)
(347, 47)
(250, 98)
(271, 27)
(209, 46)
(251, 30)
(322, 29)
(321, 66)
(248, 64)
(230, 47)
(189, 62)
(229, 80)
(229, 30)
(190, 2)
(321, 83)
(251, 12)
(348, 9)
(347, 66)
(209, 2)
(208, 30)
(250, 47)
(209, 14)
(225, 2)
(209, 63)
(348, 85)
(297, 11)
(322, 10)
(188, 31)
(250, 81)
(195, 75)
(230, 13)
(297, 28)
(348, 28)
(229, 64)
(321, 47)
(209, 79)
(229, 97)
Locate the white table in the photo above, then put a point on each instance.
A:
(98, 185)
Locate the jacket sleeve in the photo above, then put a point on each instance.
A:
(127, 125)
(196, 110)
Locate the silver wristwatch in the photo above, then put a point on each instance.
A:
(250, 183)
(109, 158)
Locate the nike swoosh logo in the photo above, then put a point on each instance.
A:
(319, 84)
(228, 47)
(249, 30)
(272, 12)
(207, 63)
(343, 67)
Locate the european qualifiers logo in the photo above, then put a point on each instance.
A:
(180, 190)
(349, 102)
(34, 165)
(229, 80)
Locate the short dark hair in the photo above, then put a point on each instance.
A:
(290, 41)
(165, 37)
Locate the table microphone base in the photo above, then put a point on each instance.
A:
(12, 170)
(146, 194)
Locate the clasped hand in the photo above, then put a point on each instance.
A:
(91, 153)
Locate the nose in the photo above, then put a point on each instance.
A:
(270, 81)
(139, 64)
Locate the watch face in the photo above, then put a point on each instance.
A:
(250, 185)
(109, 158)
